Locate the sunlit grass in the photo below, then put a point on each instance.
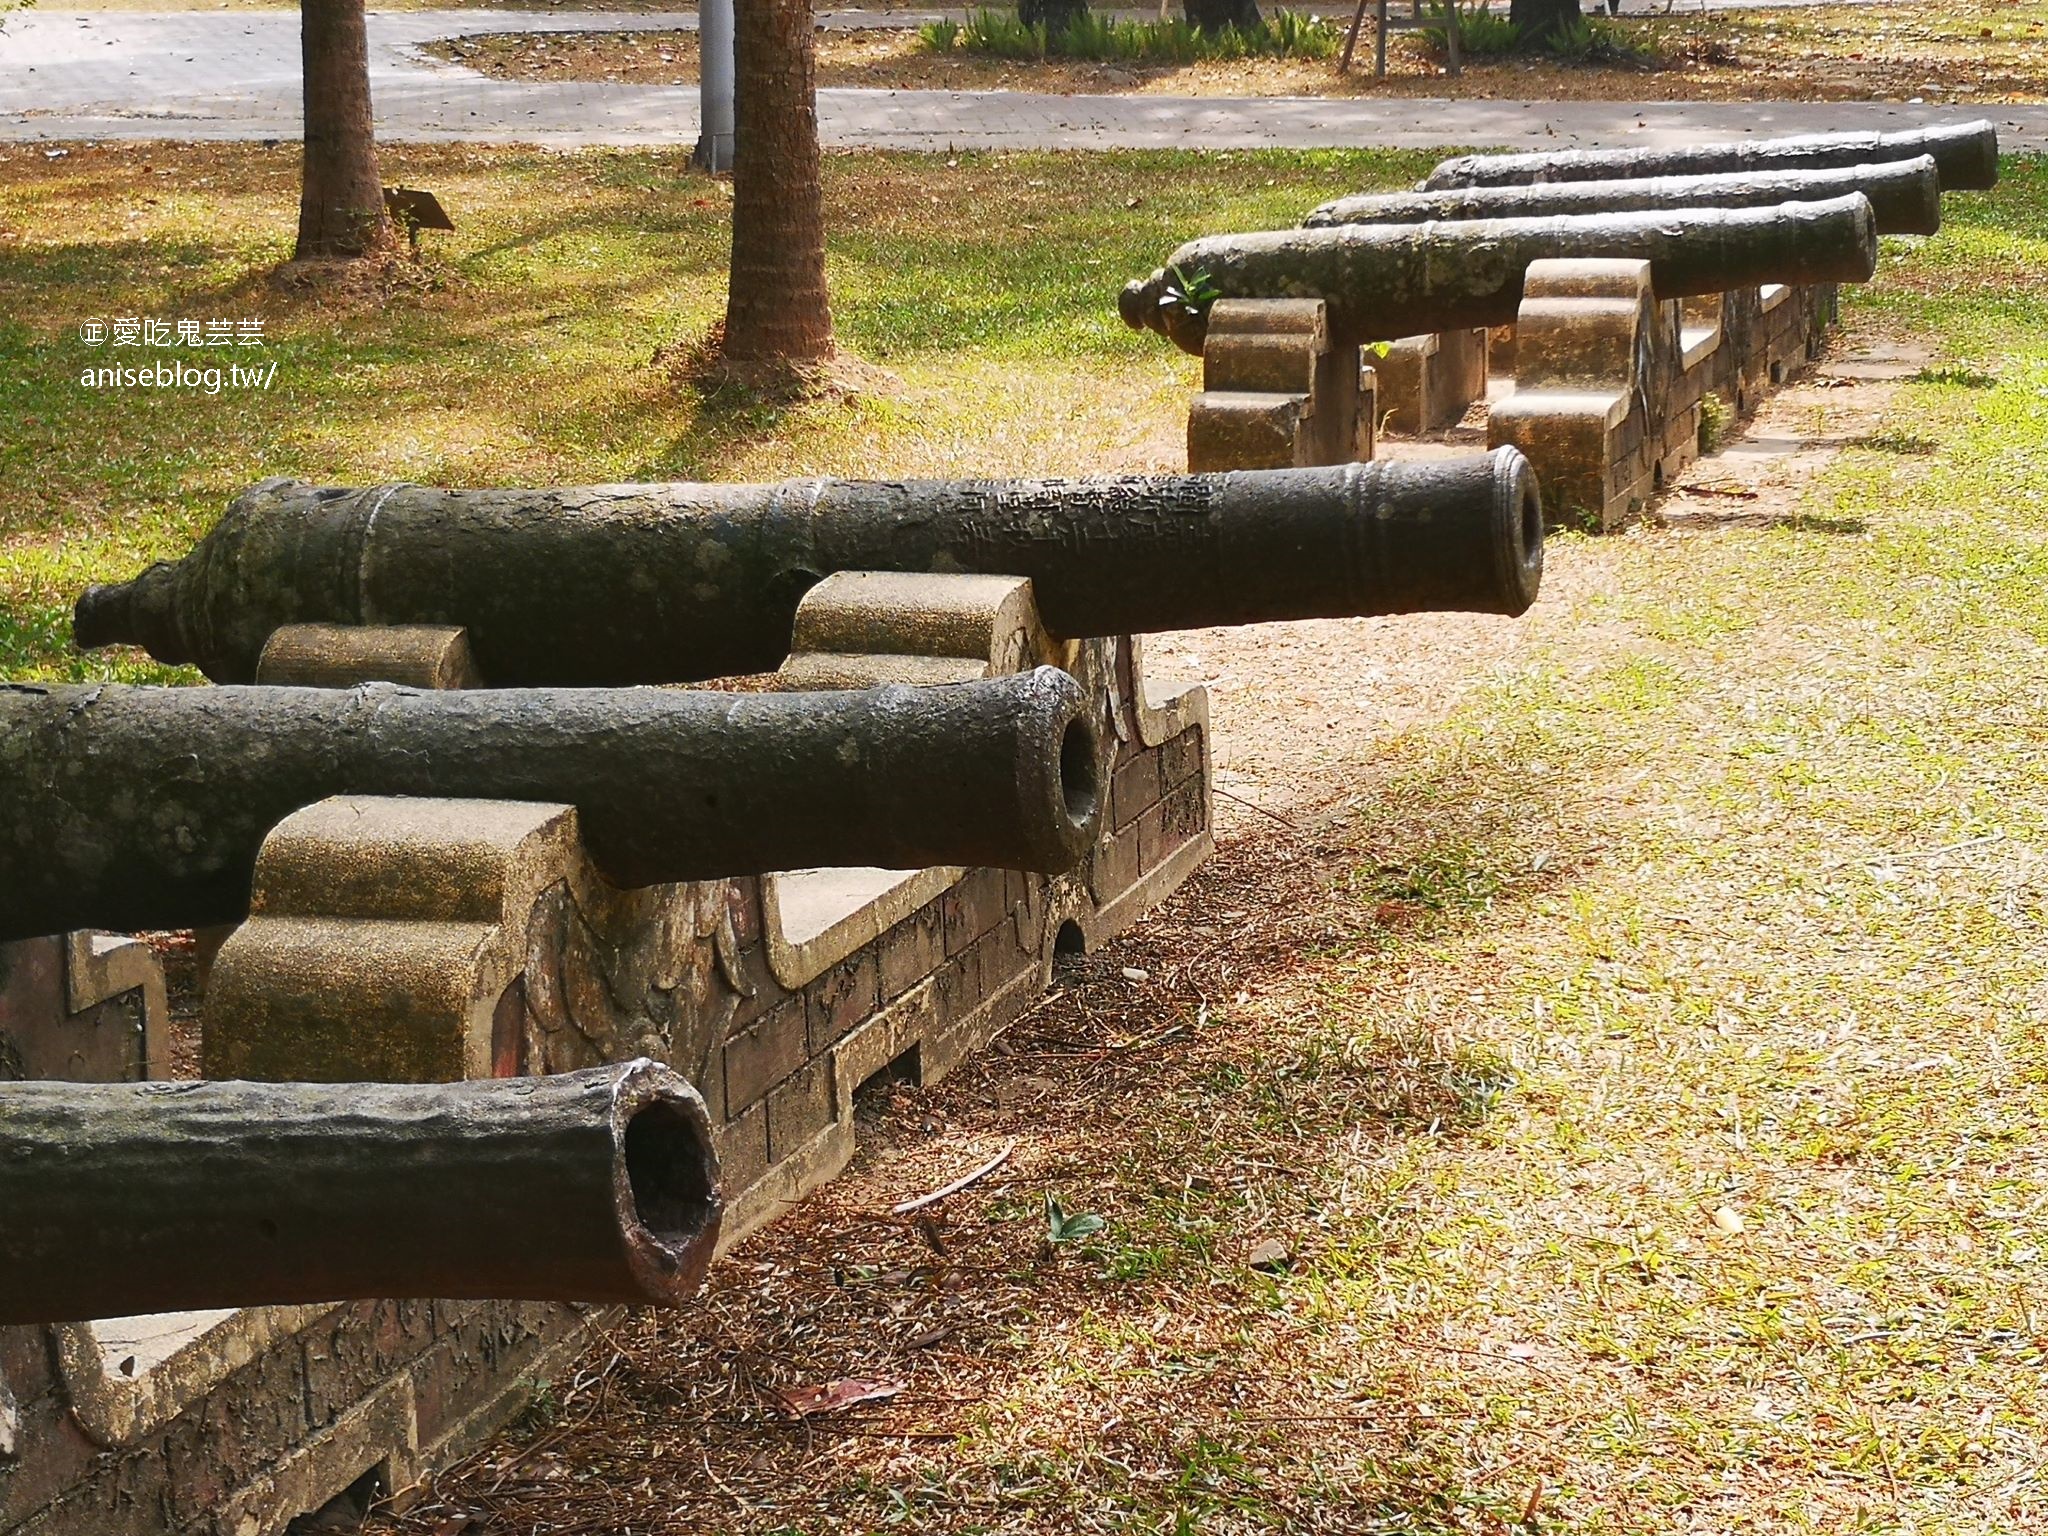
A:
(523, 352)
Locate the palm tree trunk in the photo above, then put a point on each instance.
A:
(341, 201)
(1539, 18)
(1212, 16)
(777, 308)
(1057, 15)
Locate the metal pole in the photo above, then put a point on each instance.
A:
(715, 85)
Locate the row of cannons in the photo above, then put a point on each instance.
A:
(564, 864)
(569, 861)
(1622, 290)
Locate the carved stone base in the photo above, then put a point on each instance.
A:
(1427, 383)
(1580, 409)
(395, 938)
(82, 1007)
(1611, 386)
(1276, 393)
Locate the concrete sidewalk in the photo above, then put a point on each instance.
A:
(210, 75)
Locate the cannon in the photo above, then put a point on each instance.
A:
(122, 1198)
(674, 583)
(145, 807)
(1387, 280)
(1905, 196)
(1965, 153)
(1383, 281)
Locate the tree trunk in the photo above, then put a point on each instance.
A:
(1539, 18)
(777, 308)
(1212, 16)
(1058, 15)
(341, 202)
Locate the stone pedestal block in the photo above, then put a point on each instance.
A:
(441, 938)
(1276, 393)
(1427, 383)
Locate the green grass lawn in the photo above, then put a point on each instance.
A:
(985, 284)
(1642, 1056)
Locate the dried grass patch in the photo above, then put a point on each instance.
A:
(1900, 50)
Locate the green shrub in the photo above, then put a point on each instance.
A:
(1001, 34)
(1715, 419)
(1571, 40)
(938, 36)
(1586, 40)
(1481, 34)
(1298, 36)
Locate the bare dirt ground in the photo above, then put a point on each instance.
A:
(1295, 704)
(1996, 50)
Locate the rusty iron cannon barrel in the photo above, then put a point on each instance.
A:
(674, 583)
(132, 808)
(1905, 195)
(1966, 154)
(1384, 281)
(120, 1198)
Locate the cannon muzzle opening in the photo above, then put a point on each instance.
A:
(664, 1180)
(1058, 775)
(1079, 786)
(1518, 528)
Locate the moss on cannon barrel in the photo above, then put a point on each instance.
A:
(1905, 195)
(122, 1198)
(1966, 154)
(134, 808)
(1384, 281)
(671, 583)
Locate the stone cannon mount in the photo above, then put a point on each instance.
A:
(778, 996)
